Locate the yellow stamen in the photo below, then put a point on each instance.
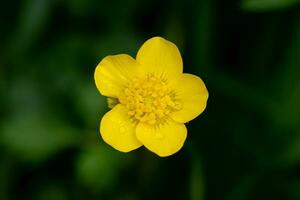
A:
(149, 99)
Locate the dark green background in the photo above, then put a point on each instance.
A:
(245, 146)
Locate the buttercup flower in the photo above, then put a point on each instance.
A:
(150, 98)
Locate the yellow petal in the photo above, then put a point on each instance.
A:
(164, 139)
(118, 130)
(113, 72)
(161, 57)
(192, 96)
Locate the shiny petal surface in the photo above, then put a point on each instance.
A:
(118, 130)
(164, 139)
(161, 57)
(192, 95)
(113, 73)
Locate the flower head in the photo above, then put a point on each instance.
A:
(150, 98)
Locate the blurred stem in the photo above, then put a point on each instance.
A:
(196, 175)
(289, 81)
(203, 33)
(32, 20)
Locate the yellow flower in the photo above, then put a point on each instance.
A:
(151, 98)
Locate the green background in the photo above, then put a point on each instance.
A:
(245, 146)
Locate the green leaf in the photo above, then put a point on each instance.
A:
(267, 5)
(90, 103)
(35, 137)
(98, 167)
(50, 191)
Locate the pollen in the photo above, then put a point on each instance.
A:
(149, 99)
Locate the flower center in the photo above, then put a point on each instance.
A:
(149, 99)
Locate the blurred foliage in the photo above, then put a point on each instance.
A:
(245, 146)
(265, 5)
(99, 168)
(35, 138)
